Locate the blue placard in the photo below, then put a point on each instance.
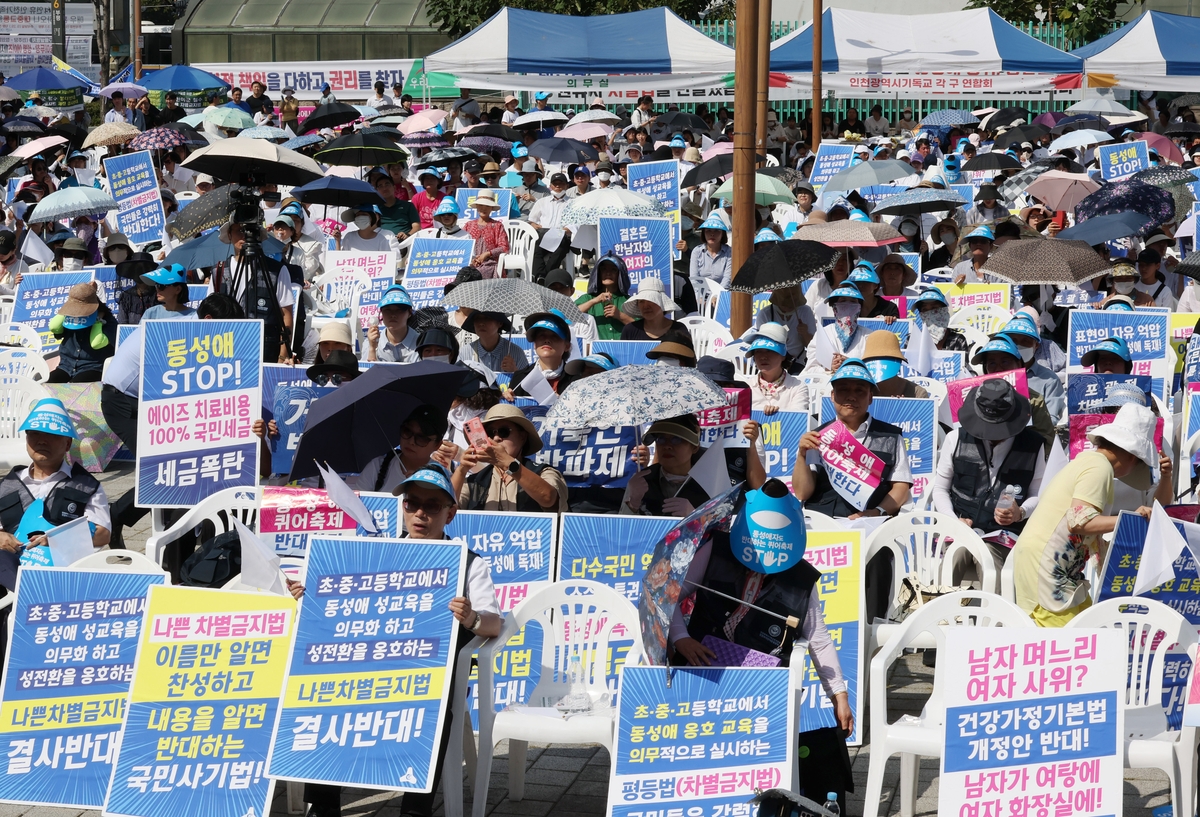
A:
(372, 660)
(466, 198)
(66, 679)
(876, 193)
(917, 417)
(200, 395)
(134, 186)
(967, 191)
(659, 181)
(947, 366)
(1122, 159)
(913, 259)
(1145, 331)
(433, 263)
(39, 297)
(901, 328)
(646, 245)
(762, 300)
(831, 159)
(625, 352)
(1085, 392)
(1074, 296)
(586, 457)
(287, 395)
(780, 433)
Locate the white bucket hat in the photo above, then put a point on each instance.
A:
(650, 289)
(1132, 430)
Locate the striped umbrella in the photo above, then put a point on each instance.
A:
(158, 139)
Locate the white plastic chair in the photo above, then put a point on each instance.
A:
(708, 295)
(737, 353)
(342, 295)
(428, 232)
(936, 388)
(914, 738)
(578, 618)
(771, 161)
(21, 334)
(521, 242)
(219, 509)
(815, 520)
(117, 561)
(17, 396)
(24, 363)
(987, 318)
(708, 336)
(7, 302)
(1151, 629)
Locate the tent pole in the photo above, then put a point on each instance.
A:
(817, 12)
(745, 93)
(764, 72)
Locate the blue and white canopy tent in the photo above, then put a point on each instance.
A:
(1157, 50)
(961, 53)
(534, 51)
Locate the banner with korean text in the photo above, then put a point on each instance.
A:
(287, 395)
(465, 196)
(964, 295)
(292, 515)
(1145, 331)
(1123, 159)
(39, 297)
(917, 418)
(587, 457)
(378, 267)
(352, 79)
(369, 681)
(134, 184)
(1087, 392)
(853, 470)
(779, 433)
(838, 555)
(646, 245)
(660, 181)
(205, 695)
(201, 392)
(433, 263)
(830, 160)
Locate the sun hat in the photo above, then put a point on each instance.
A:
(720, 371)
(1113, 345)
(677, 142)
(348, 215)
(770, 336)
(396, 295)
(490, 169)
(437, 336)
(49, 416)
(860, 148)
(854, 369)
(447, 207)
(882, 355)
(559, 277)
(117, 240)
(600, 360)
(1132, 430)
(714, 222)
(998, 343)
(512, 414)
(1120, 394)
(552, 320)
(433, 474)
(542, 95)
(339, 362)
(982, 231)
(1021, 325)
(336, 331)
(987, 191)
(994, 411)
(766, 236)
(528, 166)
(669, 348)
(910, 275)
(505, 322)
(649, 289)
(82, 301)
(75, 245)
(485, 198)
(165, 276)
(1120, 303)
(685, 427)
(864, 273)
(844, 291)
(509, 98)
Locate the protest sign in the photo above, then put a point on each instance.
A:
(831, 158)
(1191, 415)
(853, 470)
(433, 263)
(587, 457)
(957, 391)
(38, 298)
(287, 395)
(134, 185)
(1087, 392)
(901, 328)
(1145, 331)
(901, 302)
(611, 549)
(964, 295)
(917, 418)
(108, 285)
(876, 193)
(659, 181)
(722, 423)
(1040, 710)
(290, 516)
(66, 677)
(1074, 296)
(625, 352)
(947, 366)
(705, 744)
(761, 301)
(1181, 328)
(779, 433)
(201, 392)
(1123, 159)
(466, 203)
(1081, 424)
(646, 245)
(204, 698)
(369, 681)
(379, 269)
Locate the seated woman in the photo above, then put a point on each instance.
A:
(171, 289)
(87, 333)
(866, 279)
(853, 388)
(664, 489)
(649, 306)
(774, 389)
(550, 335)
(843, 335)
(491, 349)
(509, 479)
(934, 311)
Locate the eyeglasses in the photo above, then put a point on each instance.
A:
(502, 432)
(324, 379)
(430, 508)
(421, 440)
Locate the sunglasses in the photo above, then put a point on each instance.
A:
(669, 439)
(421, 440)
(430, 508)
(164, 286)
(502, 432)
(324, 379)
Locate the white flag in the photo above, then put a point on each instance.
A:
(1164, 544)
(823, 349)
(711, 471)
(35, 250)
(343, 496)
(921, 355)
(260, 564)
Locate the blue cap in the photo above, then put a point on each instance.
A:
(174, 274)
(714, 222)
(999, 343)
(49, 416)
(435, 475)
(766, 235)
(962, 143)
(845, 291)
(854, 369)
(599, 360)
(396, 296)
(325, 86)
(542, 95)
(1116, 346)
(77, 154)
(859, 215)
(1021, 325)
(1118, 306)
(447, 207)
(1120, 394)
(519, 150)
(677, 141)
(880, 149)
(292, 209)
(982, 231)
(864, 273)
(59, 235)
(553, 320)
(883, 368)
(764, 342)
(932, 295)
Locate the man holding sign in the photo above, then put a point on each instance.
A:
(855, 465)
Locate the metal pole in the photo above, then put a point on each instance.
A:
(817, 11)
(745, 93)
(764, 70)
(136, 46)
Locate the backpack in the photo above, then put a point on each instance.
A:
(214, 563)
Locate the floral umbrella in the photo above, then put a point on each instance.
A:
(610, 202)
(486, 144)
(158, 139)
(111, 133)
(1152, 202)
(633, 396)
(1174, 180)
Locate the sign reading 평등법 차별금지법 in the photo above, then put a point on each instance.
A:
(433, 263)
(201, 392)
(369, 684)
(134, 182)
(206, 686)
(1034, 721)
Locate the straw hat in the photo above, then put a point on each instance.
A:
(81, 301)
(504, 411)
(485, 198)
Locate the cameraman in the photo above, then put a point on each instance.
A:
(271, 300)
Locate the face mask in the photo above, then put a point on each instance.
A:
(603, 176)
(72, 264)
(908, 229)
(937, 320)
(1124, 287)
(558, 195)
(363, 222)
(438, 358)
(85, 234)
(764, 213)
(668, 361)
(1027, 352)
(118, 255)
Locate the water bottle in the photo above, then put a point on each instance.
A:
(831, 804)
(1009, 499)
(577, 698)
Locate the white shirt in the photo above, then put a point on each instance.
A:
(382, 241)
(1165, 297)
(1189, 301)
(877, 127)
(97, 507)
(465, 113)
(547, 211)
(509, 117)
(945, 476)
(792, 394)
(856, 349)
(365, 481)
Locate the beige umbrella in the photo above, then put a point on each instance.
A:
(111, 133)
(258, 159)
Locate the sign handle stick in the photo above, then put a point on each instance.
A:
(791, 621)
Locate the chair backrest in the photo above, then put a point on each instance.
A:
(708, 296)
(936, 388)
(236, 584)
(7, 302)
(219, 510)
(578, 618)
(708, 336)
(23, 363)
(118, 561)
(17, 395)
(987, 318)
(815, 520)
(736, 353)
(521, 237)
(1151, 628)
(342, 287)
(21, 334)
(771, 161)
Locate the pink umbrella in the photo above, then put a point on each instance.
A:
(1061, 190)
(586, 131)
(1049, 118)
(422, 120)
(719, 149)
(1166, 148)
(31, 149)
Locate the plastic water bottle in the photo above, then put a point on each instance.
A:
(577, 698)
(831, 804)
(1009, 499)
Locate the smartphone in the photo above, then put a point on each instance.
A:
(475, 434)
(1060, 219)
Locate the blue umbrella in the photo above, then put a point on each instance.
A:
(209, 250)
(1108, 228)
(336, 191)
(43, 79)
(70, 202)
(949, 117)
(307, 139)
(181, 78)
(263, 132)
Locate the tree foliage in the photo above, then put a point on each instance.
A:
(458, 17)
(1083, 20)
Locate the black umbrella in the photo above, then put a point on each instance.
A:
(784, 264)
(22, 125)
(210, 210)
(1190, 266)
(209, 250)
(74, 133)
(8, 164)
(1006, 116)
(996, 160)
(788, 175)
(336, 191)
(330, 116)
(714, 168)
(1081, 120)
(431, 317)
(679, 121)
(495, 129)
(1109, 228)
(362, 419)
(193, 136)
(559, 149)
(137, 265)
(441, 156)
(1182, 129)
(659, 155)
(1019, 134)
(386, 131)
(361, 150)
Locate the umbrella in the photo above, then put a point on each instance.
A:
(1184, 101)
(1182, 129)
(158, 139)
(209, 250)
(1080, 120)
(680, 121)
(44, 79)
(1049, 119)
(24, 126)
(359, 150)
(335, 191)
(1176, 181)
(382, 110)
(633, 396)
(1190, 266)
(422, 120)
(767, 190)
(126, 89)
(1108, 228)
(431, 317)
(537, 120)
(383, 130)
(182, 78)
(1079, 139)
(209, 210)
(36, 146)
(669, 563)
(918, 200)
(866, 174)
(492, 129)
(564, 151)
(1062, 191)
(394, 116)
(1154, 203)
(484, 144)
(9, 163)
(1100, 105)
(1022, 133)
(263, 132)
(1005, 117)
(717, 149)
(784, 264)
(193, 136)
(356, 423)
(38, 111)
(604, 117)
(96, 445)
(443, 156)
(307, 139)
(851, 234)
(329, 115)
(194, 120)
(266, 162)
(7, 94)
(366, 111)
(996, 160)
(611, 201)
(424, 139)
(714, 168)
(1045, 261)
(1163, 146)
(226, 117)
(586, 131)
(511, 296)
(71, 202)
(70, 130)
(788, 175)
(948, 118)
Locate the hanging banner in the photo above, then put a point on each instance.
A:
(369, 684)
(134, 186)
(353, 79)
(646, 245)
(379, 268)
(433, 263)
(290, 516)
(22, 19)
(206, 687)
(660, 181)
(201, 392)
(38, 298)
(1039, 712)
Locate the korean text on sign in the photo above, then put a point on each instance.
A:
(134, 184)
(433, 263)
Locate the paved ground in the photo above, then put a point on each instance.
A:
(563, 780)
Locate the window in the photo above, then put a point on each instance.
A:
(425, 44)
(341, 47)
(250, 47)
(295, 47)
(386, 46)
(208, 48)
